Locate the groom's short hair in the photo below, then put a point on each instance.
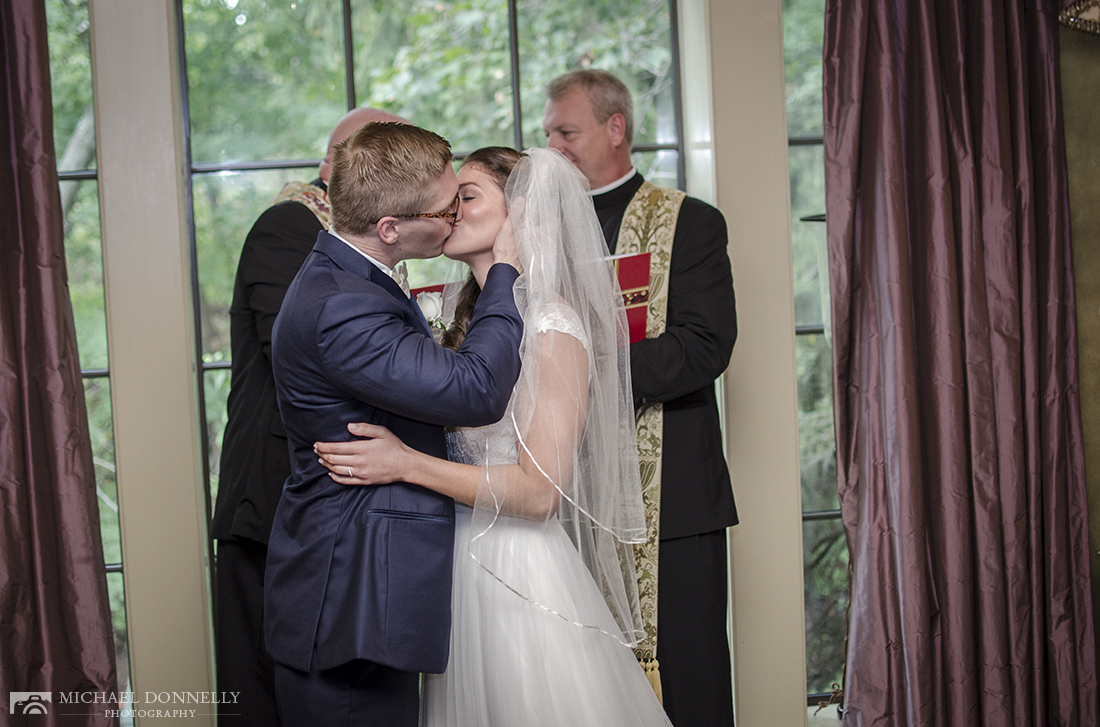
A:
(384, 169)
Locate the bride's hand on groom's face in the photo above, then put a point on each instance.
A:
(504, 247)
(375, 460)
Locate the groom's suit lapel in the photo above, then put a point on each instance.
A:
(351, 261)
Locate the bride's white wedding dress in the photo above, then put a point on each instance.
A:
(533, 641)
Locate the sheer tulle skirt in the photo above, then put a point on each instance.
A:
(515, 663)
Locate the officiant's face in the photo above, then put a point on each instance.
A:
(481, 212)
(571, 128)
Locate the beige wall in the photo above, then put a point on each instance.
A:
(1080, 91)
(742, 152)
(151, 348)
(737, 159)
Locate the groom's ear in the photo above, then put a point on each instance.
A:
(387, 230)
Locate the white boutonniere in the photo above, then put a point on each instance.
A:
(431, 305)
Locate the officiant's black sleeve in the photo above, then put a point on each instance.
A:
(702, 317)
(255, 461)
(274, 251)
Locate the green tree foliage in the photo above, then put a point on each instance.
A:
(265, 82)
(803, 36)
(444, 66)
(630, 38)
(265, 79)
(70, 73)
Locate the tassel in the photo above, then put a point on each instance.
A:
(653, 673)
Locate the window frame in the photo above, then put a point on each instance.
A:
(193, 170)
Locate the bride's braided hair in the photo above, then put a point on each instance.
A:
(497, 162)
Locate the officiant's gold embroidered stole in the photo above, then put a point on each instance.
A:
(312, 197)
(649, 225)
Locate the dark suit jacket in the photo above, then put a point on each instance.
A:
(679, 367)
(365, 572)
(254, 460)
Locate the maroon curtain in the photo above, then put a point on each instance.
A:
(55, 627)
(961, 471)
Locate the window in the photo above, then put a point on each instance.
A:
(825, 551)
(74, 140)
(266, 82)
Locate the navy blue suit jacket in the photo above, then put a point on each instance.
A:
(365, 572)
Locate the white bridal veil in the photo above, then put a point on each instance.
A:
(571, 415)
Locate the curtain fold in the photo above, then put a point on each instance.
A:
(55, 627)
(959, 447)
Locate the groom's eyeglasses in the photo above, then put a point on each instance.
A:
(449, 214)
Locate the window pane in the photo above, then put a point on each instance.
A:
(216, 392)
(825, 564)
(630, 38)
(441, 65)
(265, 80)
(71, 84)
(97, 396)
(803, 33)
(816, 438)
(658, 167)
(117, 595)
(434, 271)
(226, 206)
(84, 262)
(811, 262)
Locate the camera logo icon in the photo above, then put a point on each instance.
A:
(30, 702)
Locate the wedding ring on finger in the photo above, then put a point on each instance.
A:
(349, 471)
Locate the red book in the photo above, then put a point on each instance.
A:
(632, 270)
(427, 289)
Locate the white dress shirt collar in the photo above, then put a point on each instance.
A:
(390, 272)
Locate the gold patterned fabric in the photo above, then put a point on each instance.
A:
(649, 225)
(315, 198)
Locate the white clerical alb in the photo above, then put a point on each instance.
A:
(400, 275)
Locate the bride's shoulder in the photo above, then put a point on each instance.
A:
(556, 315)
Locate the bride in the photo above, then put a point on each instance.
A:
(548, 500)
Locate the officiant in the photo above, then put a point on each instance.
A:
(691, 329)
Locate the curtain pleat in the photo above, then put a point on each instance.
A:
(960, 459)
(55, 627)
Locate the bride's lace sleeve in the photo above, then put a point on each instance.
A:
(560, 317)
(550, 405)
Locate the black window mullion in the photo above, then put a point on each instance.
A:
(513, 52)
(670, 146)
(254, 166)
(805, 141)
(677, 100)
(77, 176)
(196, 301)
(349, 57)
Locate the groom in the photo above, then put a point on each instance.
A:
(358, 585)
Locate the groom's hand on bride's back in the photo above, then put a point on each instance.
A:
(378, 458)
